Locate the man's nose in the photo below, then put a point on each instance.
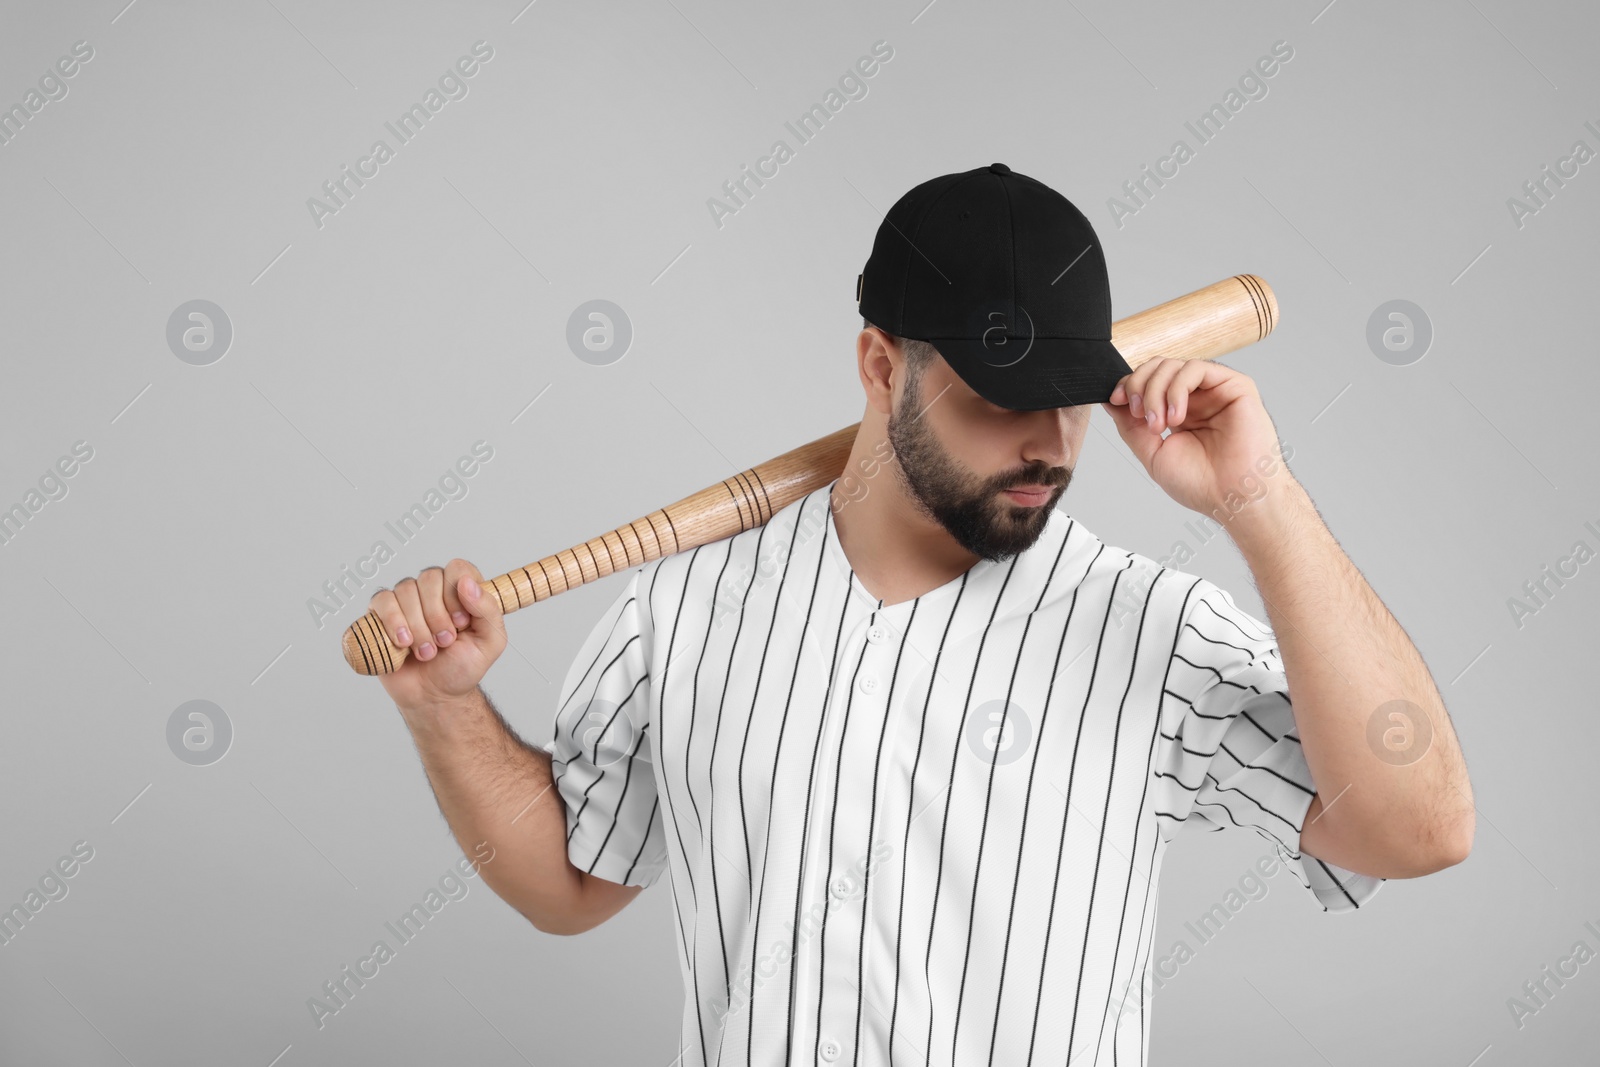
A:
(1050, 437)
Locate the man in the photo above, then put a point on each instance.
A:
(913, 749)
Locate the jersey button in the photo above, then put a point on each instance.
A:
(877, 633)
(830, 1050)
(868, 684)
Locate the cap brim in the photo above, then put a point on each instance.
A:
(1048, 372)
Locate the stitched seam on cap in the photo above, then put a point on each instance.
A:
(1011, 221)
(911, 238)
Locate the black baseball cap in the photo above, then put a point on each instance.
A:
(1006, 278)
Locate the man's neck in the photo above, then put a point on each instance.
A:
(897, 552)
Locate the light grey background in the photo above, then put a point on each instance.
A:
(371, 352)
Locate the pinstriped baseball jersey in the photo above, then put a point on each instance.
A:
(927, 832)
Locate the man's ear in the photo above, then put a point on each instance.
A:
(878, 362)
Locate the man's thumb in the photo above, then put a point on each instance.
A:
(479, 604)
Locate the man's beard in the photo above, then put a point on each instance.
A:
(970, 508)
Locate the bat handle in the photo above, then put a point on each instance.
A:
(367, 647)
(742, 502)
(368, 650)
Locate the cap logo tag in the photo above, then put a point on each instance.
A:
(1002, 344)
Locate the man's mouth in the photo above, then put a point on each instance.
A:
(1029, 495)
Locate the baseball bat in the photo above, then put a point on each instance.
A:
(1207, 323)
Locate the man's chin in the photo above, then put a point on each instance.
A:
(1015, 528)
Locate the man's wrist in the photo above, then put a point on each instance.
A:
(438, 713)
(1279, 513)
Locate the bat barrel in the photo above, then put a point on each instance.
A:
(1221, 318)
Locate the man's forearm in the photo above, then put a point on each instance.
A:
(1345, 656)
(491, 786)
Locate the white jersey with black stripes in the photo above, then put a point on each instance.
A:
(927, 832)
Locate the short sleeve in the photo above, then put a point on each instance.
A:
(601, 754)
(1228, 753)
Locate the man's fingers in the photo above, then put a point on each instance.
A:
(430, 586)
(1124, 420)
(453, 572)
(1156, 397)
(1188, 381)
(387, 607)
(405, 591)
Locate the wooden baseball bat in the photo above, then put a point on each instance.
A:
(1204, 324)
